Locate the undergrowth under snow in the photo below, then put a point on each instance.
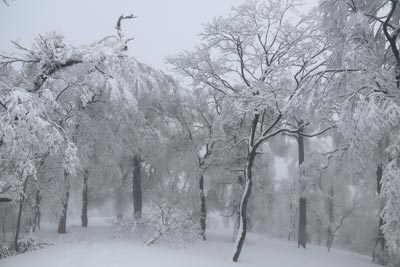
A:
(99, 246)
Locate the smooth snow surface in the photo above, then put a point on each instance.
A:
(97, 247)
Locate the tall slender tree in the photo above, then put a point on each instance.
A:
(255, 60)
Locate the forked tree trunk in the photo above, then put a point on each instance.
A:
(203, 209)
(62, 225)
(243, 207)
(21, 203)
(302, 234)
(85, 199)
(137, 188)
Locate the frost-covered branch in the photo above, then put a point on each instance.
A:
(118, 27)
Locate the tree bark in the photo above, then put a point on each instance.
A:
(243, 206)
(62, 225)
(203, 209)
(137, 188)
(293, 213)
(331, 218)
(21, 202)
(85, 199)
(119, 200)
(247, 188)
(38, 213)
(290, 220)
(378, 254)
(302, 234)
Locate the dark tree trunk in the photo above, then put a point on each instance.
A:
(378, 254)
(293, 213)
(302, 234)
(291, 220)
(21, 204)
(203, 209)
(62, 225)
(236, 207)
(4, 223)
(85, 199)
(119, 200)
(137, 188)
(331, 218)
(243, 206)
(38, 213)
(16, 245)
(319, 227)
(247, 189)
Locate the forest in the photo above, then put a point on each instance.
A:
(278, 125)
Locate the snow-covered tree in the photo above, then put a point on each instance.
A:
(363, 37)
(258, 63)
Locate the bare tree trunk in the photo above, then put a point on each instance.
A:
(378, 254)
(331, 218)
(38, 214)
(293, 211)
(62, 225)
(203, 209)
(16, 245)
(319, 227)
(137, 188)
(85, 199)
(290, 220)
(236, 207)
(302, 233)
(243, 206)
(5, 212)
(247, 189)
(341, 222)
(302, 237)
(21, 203)
(119, 200)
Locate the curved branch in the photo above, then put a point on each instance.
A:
(392, 38)
(119, 21)
(318, 133)
(41, 79)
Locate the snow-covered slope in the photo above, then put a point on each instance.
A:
(97, 246)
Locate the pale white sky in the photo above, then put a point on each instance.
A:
(163, 27)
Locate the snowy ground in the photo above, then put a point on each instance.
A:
(97, 246)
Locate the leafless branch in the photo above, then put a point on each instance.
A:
(103, 72)
(119, 21)
(66, 88)
(318, 133)
(41, 79)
